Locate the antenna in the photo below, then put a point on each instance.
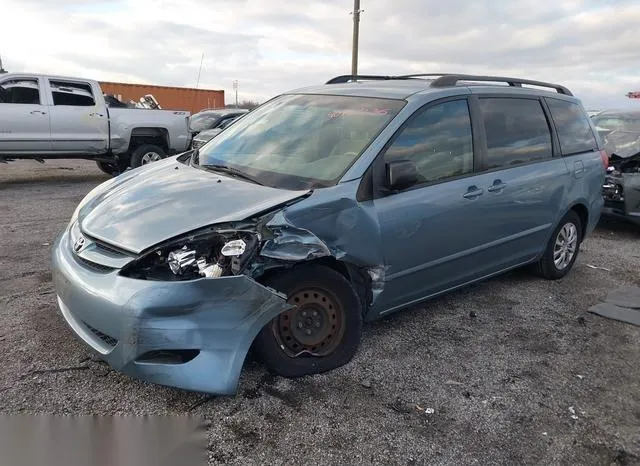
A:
(200, 71)
(2, 70)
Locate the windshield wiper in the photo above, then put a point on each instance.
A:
(231, 171)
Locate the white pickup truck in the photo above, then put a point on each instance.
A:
(45, 117)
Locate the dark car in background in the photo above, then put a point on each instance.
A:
(205, 136)
(620, 133)
(212, 118)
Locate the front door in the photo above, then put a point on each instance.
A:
(429, 235)
(24, 117)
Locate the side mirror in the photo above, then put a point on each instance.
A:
(401, 174)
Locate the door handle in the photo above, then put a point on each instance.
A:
(497, 186)
(38, 112)
(96, 114)
(473, 192)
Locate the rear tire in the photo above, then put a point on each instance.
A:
(108, 168)
(562, 249)
(321, 333)
(146, 153)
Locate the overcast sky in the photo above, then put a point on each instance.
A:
(271, 46)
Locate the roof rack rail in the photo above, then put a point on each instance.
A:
(449, 79)
(353, 77)
(452, 79)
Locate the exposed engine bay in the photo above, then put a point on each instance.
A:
(211, 255)
(620, 132)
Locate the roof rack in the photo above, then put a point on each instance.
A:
(452, 80)
(353, 77)
(448, 80)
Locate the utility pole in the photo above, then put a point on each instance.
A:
(356, 32)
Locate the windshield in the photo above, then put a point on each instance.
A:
(620, 133)
(301, 141)
(203, 121)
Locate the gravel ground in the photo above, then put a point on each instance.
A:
(531, 379)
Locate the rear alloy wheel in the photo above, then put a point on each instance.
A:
(562, 249)
(321, 333)
(145, 154)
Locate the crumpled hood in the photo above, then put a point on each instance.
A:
(146, 206)
(622, 143)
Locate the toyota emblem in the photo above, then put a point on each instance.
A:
(79, 244)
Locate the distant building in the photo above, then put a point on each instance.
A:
(169, 98)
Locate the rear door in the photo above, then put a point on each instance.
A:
(24, 117)
(79, 124)
(523, 177)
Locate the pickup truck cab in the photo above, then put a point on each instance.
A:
(60, 117)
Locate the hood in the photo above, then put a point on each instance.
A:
(156, 202)
(622, 143)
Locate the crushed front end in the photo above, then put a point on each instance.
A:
(621, 190)
(182, 314)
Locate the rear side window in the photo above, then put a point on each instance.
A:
(438, 140)
(517, 131)
(572, 124)
(71, 94)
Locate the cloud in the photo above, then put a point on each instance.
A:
(591, 46)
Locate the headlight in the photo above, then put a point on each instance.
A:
(212, 254)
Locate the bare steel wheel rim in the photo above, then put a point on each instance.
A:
(565, 246)
(150, 157)
(313, 328)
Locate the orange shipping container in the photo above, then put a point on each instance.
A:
(169, 98)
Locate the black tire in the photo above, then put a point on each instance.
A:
(110, 169)
(333, 313)
(140, 156)
(547, 267)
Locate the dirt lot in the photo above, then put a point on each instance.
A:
(532, 378)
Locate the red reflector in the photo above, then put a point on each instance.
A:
(605, 159)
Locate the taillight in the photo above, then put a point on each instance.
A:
(605, 159)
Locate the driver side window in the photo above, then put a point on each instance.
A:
(438, 140)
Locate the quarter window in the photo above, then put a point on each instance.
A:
(438, 140)
(573, 127)
(517, 131)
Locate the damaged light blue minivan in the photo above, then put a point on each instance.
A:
(324, 208)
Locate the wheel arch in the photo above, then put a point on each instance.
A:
(583, 213)
(149, 135)
(356, 276)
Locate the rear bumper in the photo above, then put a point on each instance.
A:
(135, 325)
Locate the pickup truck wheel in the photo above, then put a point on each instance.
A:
(108, 168)
(145, 154)
(321, 333)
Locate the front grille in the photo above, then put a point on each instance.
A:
(94, 265)
(110, 341)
